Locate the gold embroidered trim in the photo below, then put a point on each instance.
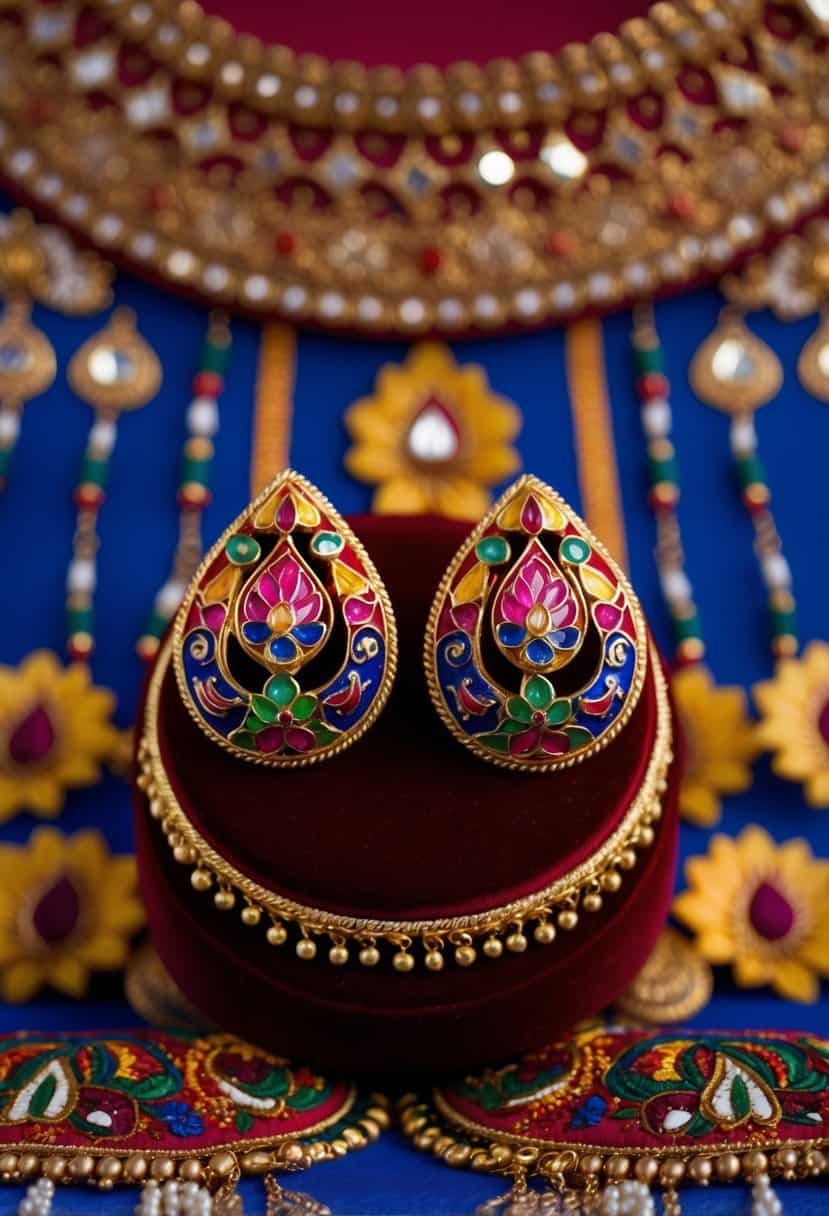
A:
(707, 146)
(593, 433)
(557, 906)
(440, 1130)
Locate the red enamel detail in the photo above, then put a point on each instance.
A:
(532, 519)
(653, 385)
(347, 700)
(430, 259)
(285, 244)
(57, 911)
(770, 914)
(207, 384)
(33, 738)
(561, 244)
(286, 514)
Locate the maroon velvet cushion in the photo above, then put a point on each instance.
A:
(404, 824)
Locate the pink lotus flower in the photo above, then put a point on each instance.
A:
(283, 609)
(538, 605)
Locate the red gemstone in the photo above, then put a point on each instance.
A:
(33, 738)
(681, 206)
(286, 514)
(88, 496)
(80, 647)
(57, 911)
(561, 244)
(653, 386)
(793, 138)
(532, 519)
(823, 722)
(159, 196)
(285, 244)
(770, 914)
(285, 717)
(207, 384)
(430, 259)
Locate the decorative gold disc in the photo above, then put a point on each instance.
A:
(733, 370)
(674, 984)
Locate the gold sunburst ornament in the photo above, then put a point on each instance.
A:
(763, 909)
(720, 743)
(68, 907)
(55, 733)
(433, 437)
(794, 725)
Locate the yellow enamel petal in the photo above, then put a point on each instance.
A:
(402, 496)
(796, 982)
(68, 975)
(596, 584)
(699, 804)
(716, 946)
(750, 971)
(20, 981)
(459, 498)
(374, 463)
(472, 585)
(223, 586)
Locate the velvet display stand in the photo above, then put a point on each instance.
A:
(406, 824)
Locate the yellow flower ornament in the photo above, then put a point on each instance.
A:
(433, 438)
(720, 743)
(55, 732)
(762, 908)
(67, 907)
(794, 724)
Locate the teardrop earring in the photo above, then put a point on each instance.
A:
(536, 648)
(813, 363)
(285, 647)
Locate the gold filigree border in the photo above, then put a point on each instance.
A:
(557, 906)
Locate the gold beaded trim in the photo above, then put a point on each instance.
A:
(107, 1166)
(696, 136)
(436, 1128)
(557, 906)
(314, 91)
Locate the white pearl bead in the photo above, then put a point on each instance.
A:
(676, 586)
(203, 416)
(743, 437)
(169, 598)
(656, 418)
(102, 436)
(9, 427)
(776, 572)
(81, 575)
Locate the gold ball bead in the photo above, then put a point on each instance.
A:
(700, 1170)
(109, 1169)
(517, 943)
(224, 900)
(728, 1167)
(402, 961)
(277, 935)
(306, 949)
(567, 919)
(646, 835)
(54, 1168)
(185, 855)
(250, 915)
(28, 1164)
(592, 901)
(646, 1169)
(338, 955)
(815, 1161)
(434, 960)
(493, 947)
(294, 1154)
(465, 956)
(591, 1164)
(135, 1167)
(162, 1168)
(671, 1173)
(627, 859)
(611, 881)
(201, 880)
(617, 1167)
(81, 1166)
(190, 1171)
(544, 933)
(369, 956)
(156, 808)
(786, 1159)
(755, 1163)
(8, 1164)
(222, 1164)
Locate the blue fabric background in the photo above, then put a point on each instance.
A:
(138, 527)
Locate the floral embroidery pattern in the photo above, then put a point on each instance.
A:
(635, 1089)
(154, 1089)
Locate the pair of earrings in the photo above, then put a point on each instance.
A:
(285, 647)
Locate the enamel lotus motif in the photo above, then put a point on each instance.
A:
(285, 646)
(535, 647)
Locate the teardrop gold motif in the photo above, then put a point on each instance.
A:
(27, 358)
(813, 364)
(116, 369)
(733, 370)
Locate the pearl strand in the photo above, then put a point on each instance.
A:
(628, 1198)
(174, 1199)
(764, 1202)
(38, 1199)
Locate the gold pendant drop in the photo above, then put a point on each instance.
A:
(27, 369)
(733, 370)
(115, 370)
(813, 363)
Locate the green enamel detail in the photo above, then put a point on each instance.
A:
(254, 724)
(243, 550)
(687, 627)
(559, 712)
(215, 358)
(648, 359)
(519, 710)
(303, 707)
(80, 620)
(578, 736)
(94, 469)
(750, 470)
(492, 550)
(495, 743)
(195, 470)
(281, 690)
(244, 739)
(513, 726)
(575, 550)
(539, 692)
(662, 471)
(263, 708)
(327, 544)
(783, 622)
(322, 734)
